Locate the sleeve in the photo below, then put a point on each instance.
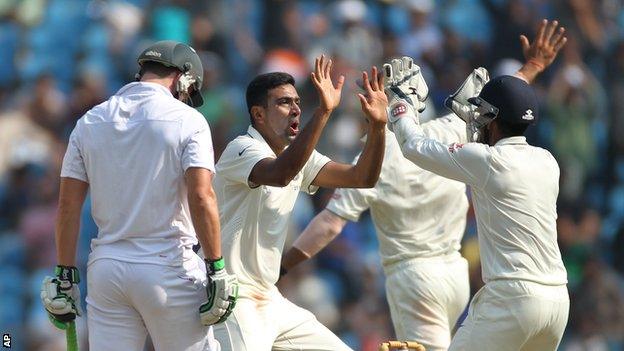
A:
(240, 157)
(314, 165)
(350, 203)
(446, 129)
(197, 145)
(467, 163)
(73, 161)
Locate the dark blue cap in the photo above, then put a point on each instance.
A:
(510, 99)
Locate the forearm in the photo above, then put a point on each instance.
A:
(67, 229)
(205, 217)
(529, 71)
(412, 142)
(366, 170)
(292, 160)
(72, 194)
(449, 128)
(320, 232)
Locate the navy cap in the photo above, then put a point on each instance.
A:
(509, 98)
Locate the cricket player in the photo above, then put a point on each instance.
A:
(147, 158)
(259, 177)
(524, 303)
(420, 218)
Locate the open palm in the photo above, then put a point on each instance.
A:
(329, 94)
(548, 41)
(374, 102)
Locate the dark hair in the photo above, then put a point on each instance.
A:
(511, 129)
(258, 88)
(156, 68)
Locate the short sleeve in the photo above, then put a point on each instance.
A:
(240, 157)
(350, 203)
(197, 145)
(314, 165)
(73, 161)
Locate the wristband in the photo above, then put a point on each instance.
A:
(536, 63)
(215, 265)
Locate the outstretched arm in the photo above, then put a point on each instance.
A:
(281, 170)
(318, 234)
(365, 172)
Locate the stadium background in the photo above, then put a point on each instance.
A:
(60, 57)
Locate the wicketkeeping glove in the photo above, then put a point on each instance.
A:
(403, 80)
(458, 101)
(61, 296)
(222, 291)
(406, 89)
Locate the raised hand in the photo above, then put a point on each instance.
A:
(548, 41)
(374, 102)
(404, 81)
(329, 95)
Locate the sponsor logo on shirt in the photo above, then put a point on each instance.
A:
(455, 147)
(243, 150)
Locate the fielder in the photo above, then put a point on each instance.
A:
(258, 179)
(147, 159)
(420, 218)
(524, 303)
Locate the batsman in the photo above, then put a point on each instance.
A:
(146, 156)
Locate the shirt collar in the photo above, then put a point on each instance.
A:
(515, 140)
(143, 87)
(255, 134)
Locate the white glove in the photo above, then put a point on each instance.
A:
(471, 87)
(406, 90)
(222, 291)
(60, 296)
(458, 101)
(404, 81)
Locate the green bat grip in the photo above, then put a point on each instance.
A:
(71, 337)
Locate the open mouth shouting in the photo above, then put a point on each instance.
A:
(293, 129)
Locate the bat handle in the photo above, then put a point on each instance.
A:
(71, 337)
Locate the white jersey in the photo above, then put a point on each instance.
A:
(133, 150)
(514, 188)
(254, 219)
(417, 213)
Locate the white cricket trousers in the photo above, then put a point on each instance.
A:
(126, 301)
(274, 323)
(426, 297)
(510, 315)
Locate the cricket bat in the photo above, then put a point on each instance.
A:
(71, 337)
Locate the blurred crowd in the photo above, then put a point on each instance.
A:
(61, 57)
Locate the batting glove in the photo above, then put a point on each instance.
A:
(61, 296)
(222, 291)
(458, 101)
(406, 89)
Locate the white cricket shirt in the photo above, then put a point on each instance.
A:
(514, 187)
(254, 219)
(133, 150)
(417, 213)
